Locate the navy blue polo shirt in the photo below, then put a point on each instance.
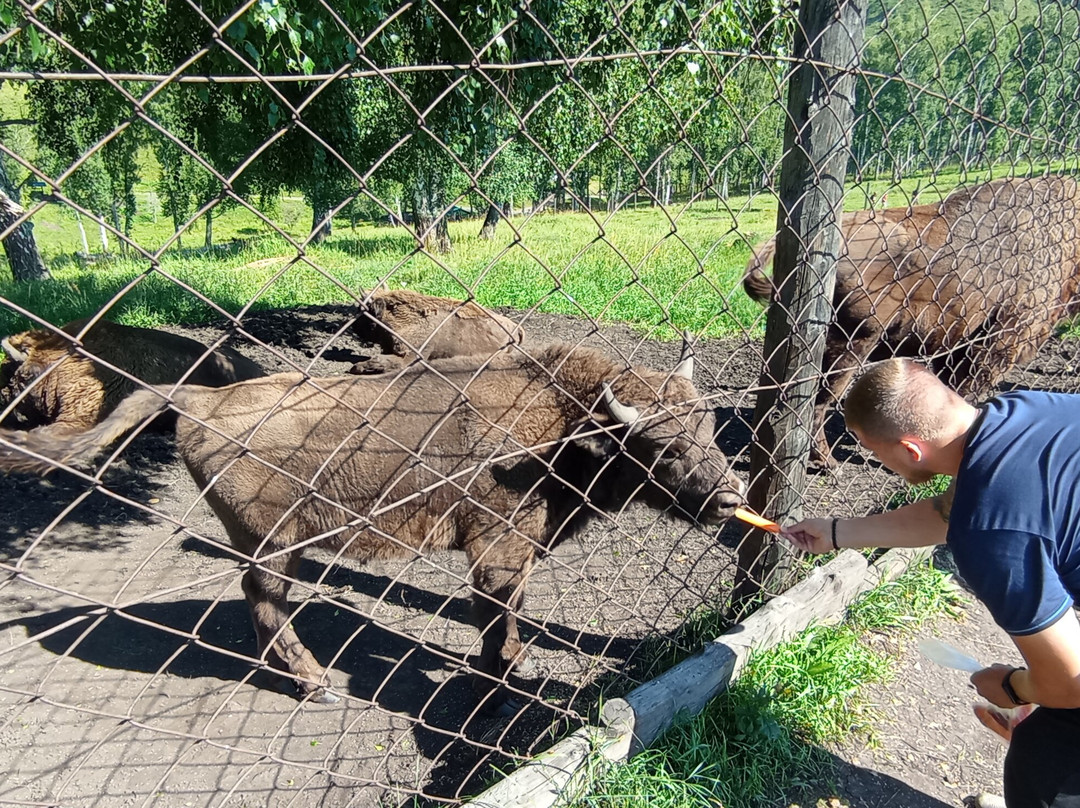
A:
(1014, 529)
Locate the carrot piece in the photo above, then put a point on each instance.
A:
(757, 521)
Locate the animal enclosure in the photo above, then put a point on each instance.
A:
(447, 533)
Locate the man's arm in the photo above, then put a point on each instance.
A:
(917, 525)
(1053, 675)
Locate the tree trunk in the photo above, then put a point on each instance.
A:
(491, 221)
(208, 243)
(433, 234)
(20, 247)
(82, 233)
(319, 211)
(104, 235)
(116, 225)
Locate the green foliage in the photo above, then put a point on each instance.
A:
(920, 491)
(968, 82)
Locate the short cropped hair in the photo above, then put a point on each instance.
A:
(899, 398)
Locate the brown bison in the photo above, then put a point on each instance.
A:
(975, 284)
(49, 382)
(503, 461)
(409, 324)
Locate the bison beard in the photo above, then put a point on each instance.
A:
(974, 284)
(493, 461)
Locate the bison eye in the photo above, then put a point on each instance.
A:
(671, 454)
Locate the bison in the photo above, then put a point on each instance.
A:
(975, 284)
(50, 383)
(409, 324)
(502, 459)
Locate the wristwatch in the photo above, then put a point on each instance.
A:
(1006, 685)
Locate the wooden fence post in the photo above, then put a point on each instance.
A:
(817, 147)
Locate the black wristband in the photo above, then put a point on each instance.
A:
(1006, 685)
(835, 546)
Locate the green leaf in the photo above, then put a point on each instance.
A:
(254, 54)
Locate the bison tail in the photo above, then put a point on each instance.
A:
(39, 451)
(757, 284)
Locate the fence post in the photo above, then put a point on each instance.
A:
(817, 145)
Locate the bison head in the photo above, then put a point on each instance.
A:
(660, 446)
(369, 325)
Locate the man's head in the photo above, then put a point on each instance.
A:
(900, 411)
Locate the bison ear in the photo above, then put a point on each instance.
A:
(588, 434)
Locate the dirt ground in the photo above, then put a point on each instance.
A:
(125, 676)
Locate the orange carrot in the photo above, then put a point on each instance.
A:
(757, 521)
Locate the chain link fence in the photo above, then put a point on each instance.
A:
(588, 197)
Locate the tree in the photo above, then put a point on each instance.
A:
(20, 247)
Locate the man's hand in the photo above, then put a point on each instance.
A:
(811, 535)
(988, 683)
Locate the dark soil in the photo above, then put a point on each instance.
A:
(126, 670)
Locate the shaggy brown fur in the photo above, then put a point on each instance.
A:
(391, 465)
(975, 283)
(65, 389)
(407, 324)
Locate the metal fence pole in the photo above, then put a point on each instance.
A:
(817, 143)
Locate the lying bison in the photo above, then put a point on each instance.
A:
(503, 461)
(51, 383)
(409, 324)
(975, 284)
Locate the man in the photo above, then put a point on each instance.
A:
(1012, 522)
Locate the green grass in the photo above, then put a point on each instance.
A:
(660, 271)
(913, 493)
(642, 270)
(764, 741)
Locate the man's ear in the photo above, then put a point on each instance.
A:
(914, 449)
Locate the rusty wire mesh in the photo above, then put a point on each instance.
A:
(622, 164)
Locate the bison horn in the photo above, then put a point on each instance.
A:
(623, 413)
(685, 368)
(15, 354)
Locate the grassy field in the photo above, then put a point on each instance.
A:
(660, 270)
(656, 269)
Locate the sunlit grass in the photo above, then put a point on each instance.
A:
(638, 267)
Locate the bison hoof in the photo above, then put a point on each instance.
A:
(507, 708)
(498, 705)
(319, 695)
(525, 667)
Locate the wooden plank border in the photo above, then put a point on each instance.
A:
(633, 723)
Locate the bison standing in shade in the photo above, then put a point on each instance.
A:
(975, 284)
(51, 383)
(503, 460)
(409, 324)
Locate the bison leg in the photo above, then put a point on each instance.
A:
(266, 586)
(381, 363)
(840, 362)
(1013, 340)
(500, 570)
